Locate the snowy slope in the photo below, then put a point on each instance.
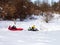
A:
(48, 33)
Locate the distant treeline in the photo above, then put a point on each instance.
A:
(13, 9)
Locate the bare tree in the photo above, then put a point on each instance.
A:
(48, 16)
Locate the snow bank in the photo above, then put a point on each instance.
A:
(48, 34)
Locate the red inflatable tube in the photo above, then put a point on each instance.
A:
(16, 29)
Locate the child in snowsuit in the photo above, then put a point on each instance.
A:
(33, 28)
(13, 27)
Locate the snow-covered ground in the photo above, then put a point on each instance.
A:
(48, 34)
